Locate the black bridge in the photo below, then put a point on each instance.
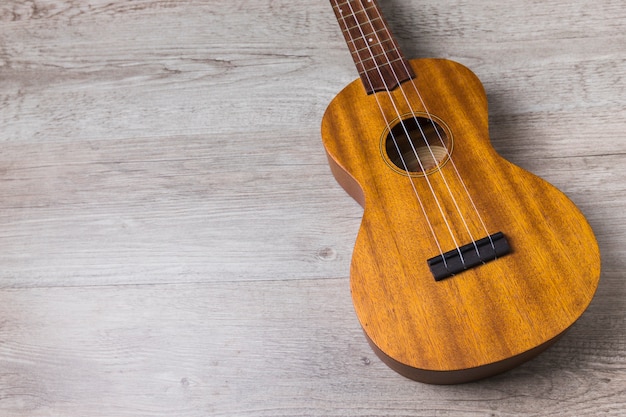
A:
(469, 256)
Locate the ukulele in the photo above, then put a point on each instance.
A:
(465, 265)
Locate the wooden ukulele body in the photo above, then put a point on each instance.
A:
(486, 319)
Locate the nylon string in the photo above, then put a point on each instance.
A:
(387, 122)
(429, 117)
(406, 131)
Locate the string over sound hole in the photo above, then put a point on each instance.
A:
(417, 144)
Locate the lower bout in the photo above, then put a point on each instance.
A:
(460, 376)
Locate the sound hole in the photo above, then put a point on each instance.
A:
(425, 147)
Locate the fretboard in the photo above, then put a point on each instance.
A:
(375, 52)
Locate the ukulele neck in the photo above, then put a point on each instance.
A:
(378, 59)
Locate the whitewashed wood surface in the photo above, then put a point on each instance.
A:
(172, 242)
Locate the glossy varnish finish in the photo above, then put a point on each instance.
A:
(485, 319)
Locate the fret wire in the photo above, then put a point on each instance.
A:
(365, 10)
(390, 51)
(389, 63)
(353, 15)
(361, 39)
(343, 18)
(378, 44)
(382, 54)
(345, 21)
(359, 25)
(340, 5)
(367, 35)
(388, 40)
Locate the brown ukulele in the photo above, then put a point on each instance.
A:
(465, 265)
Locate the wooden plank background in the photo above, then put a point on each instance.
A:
(172, 242)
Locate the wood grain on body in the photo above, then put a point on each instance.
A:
(490, 313)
